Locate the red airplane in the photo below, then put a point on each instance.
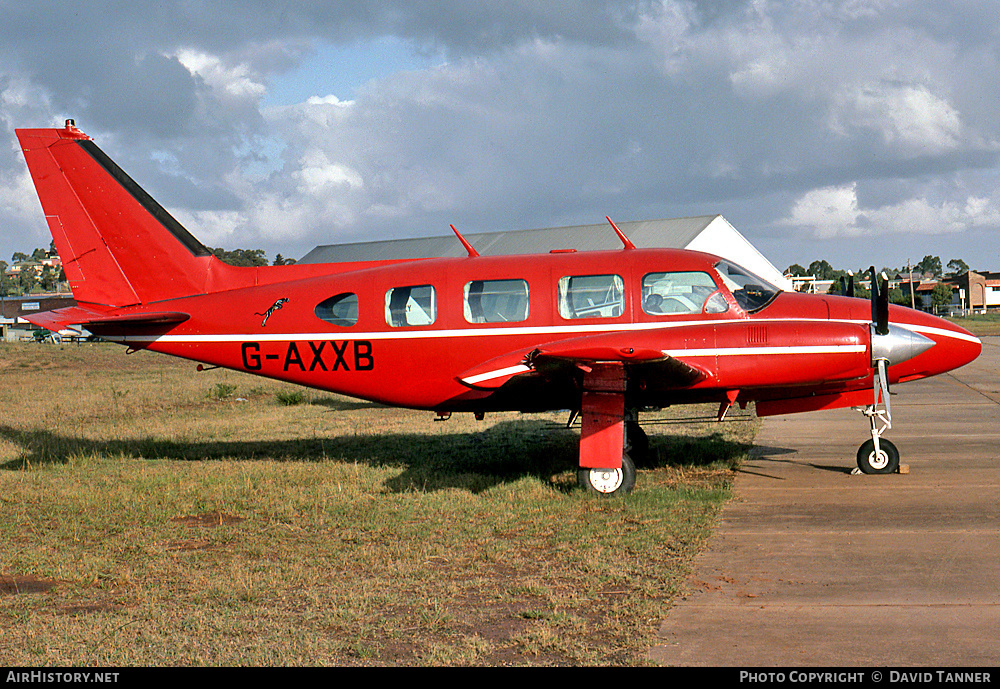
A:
(604, 333)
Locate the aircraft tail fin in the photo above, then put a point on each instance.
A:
(119, 247)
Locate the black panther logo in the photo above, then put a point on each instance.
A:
(274, 307)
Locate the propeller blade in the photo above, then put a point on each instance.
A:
(874, 291)
(880, 304)
(843, 286)
(882, 323)
(850, 284)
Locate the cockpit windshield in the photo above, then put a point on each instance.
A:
(752, 293)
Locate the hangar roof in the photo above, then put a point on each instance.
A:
(709, 233)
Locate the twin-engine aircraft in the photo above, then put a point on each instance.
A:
(604, 334)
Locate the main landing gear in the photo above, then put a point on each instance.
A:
(606, 465)
(610, 482)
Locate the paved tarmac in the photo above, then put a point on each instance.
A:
(813, 566)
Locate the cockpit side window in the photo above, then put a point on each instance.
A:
(751, 292)
(681, 293)
(340, 309)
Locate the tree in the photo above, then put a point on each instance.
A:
(241, 257)
(6, 284)
(822, 270)
(957, 266)
(929, 264)
(941, 294)
(796, 270)
(897, 296)
(49, 279)
(26, 279)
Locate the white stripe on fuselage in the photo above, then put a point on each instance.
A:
(692, 353)
(513, 331)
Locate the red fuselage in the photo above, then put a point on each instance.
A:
(815, 350)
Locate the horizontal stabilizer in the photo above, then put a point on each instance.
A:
(138, 320)
(93, 320)
(60, 319)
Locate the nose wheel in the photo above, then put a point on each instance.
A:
(881, 460)
(878, 455)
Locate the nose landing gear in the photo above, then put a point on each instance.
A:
(878, 455)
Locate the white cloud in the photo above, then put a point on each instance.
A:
(834, 212)
(317, 174)
(909, 116)
(829, 211)
(919, 216)
(236, 80)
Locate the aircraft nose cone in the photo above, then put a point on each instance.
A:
(898, 345)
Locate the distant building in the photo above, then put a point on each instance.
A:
(982, 290)
(12, 310)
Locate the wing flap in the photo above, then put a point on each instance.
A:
(573, 358)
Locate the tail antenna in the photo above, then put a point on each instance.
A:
(468, 247)
(621, 235)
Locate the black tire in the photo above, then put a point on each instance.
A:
(886, 463)
(637, 444)
(609, 482)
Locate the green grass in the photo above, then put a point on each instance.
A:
(143, 522)
(980, 324)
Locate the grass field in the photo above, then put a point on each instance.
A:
(983, 324)
(152, 515)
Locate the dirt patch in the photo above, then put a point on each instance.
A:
(208, 520)
(11, 584)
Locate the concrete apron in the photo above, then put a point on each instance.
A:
(813, 566)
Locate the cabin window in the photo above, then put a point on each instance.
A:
(340, 309)
(681, 293)
(416, 305)
(591, 296)
(496, 301)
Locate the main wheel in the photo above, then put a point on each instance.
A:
(638, 443)
(610, 482)
(886, 462)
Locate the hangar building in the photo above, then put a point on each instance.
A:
(708, 233)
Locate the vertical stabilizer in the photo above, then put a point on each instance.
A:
(118, 246)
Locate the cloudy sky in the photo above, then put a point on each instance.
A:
(856, 131)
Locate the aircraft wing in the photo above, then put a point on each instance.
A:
(566, 361)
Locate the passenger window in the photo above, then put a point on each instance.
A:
(681, 293)
(340, 309)
(591, 296)
(496, 301)
(410, 306)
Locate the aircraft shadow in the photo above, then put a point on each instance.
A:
(762, 456)
(504, 453)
